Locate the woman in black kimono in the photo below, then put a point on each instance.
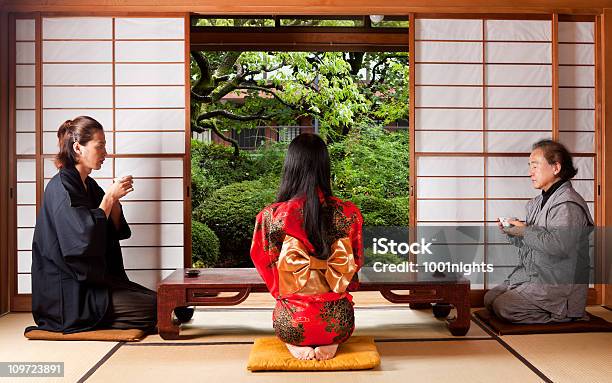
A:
(78, 279)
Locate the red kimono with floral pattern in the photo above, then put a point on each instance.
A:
(313, 306)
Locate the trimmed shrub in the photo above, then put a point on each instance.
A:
(379, 211)
(204, 245)
(230, 212)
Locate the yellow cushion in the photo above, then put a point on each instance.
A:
(271, 354)
(111, 335)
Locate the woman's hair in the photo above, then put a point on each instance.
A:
(81, 130)
(556, 152)
(307, 169)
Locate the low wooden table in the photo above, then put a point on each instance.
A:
(179, 291)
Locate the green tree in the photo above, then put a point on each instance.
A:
(340, 89)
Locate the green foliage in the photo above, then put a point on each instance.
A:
(204, 245)
(389, 258)
(231, 210)
(371, 162)
(378, 211)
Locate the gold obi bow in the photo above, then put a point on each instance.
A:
(295, 265)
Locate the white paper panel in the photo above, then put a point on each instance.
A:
(579, 98)
(450, 166)
(152, 257)
(77, 74)
(518, 30)
(150, 119)
(448, 141)
(577, 120)
(519, 97)
(448, 51)
(148, 278)
(25, 53)
(448, 96)
(77, 51)
(153, 212)
(506, 187)
(25, 98)
(26, 193)
(25, 143)
(448, 74)
(577, 54)
(536, 53)
(462, 233)
(591, 206)
(150, 74)
(50, 143)
(514, 142)
(26, 170)
(505, 208)
(450, 210)
(139, 143)
(149, 51)
(149, 167)
(25, 75)
(519, 119)
(25, 121)
(25, 30)
(155, 235)
(450, 187)
(77, 97)
(105, 183)
(585, 166)
(24, 284)
(508, 166)
(448, 119)
(156, 189)
(585, 188)
(519, 75)
(578, 142)
(150, 97)
(26, 216)
(576, 76)
(77, 28)
(53, 118)
(448, 29)
(149, 28)
(576, 32)
(24, 261)
(24, 239)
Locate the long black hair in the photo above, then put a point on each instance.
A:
(307, 170)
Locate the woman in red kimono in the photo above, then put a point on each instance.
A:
(308, 248)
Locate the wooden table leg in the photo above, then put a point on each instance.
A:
(168, 298)
(459, 296)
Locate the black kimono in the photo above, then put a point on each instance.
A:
(77, 266)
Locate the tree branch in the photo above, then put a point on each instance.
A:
(232, 116)
(212, 126)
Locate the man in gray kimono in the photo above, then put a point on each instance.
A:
(550, 283)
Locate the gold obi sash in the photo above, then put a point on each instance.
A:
(298, 271)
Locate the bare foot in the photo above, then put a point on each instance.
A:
(302, 353)
(326, 352)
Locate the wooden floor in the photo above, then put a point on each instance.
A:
(414, 346)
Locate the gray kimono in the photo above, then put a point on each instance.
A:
(553, 268)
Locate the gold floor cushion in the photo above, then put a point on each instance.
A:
(111, 335)
(271, 354)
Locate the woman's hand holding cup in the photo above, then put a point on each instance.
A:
(121, 187)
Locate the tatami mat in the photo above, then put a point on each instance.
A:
(244, 324)
(571, 358)
(78, 357)
(429, 361)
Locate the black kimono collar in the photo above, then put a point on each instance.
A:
(71, 180)
(553, 188)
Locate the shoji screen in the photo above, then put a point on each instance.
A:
(483, 97)
(25, 105)
(129, 74)
(577, 102)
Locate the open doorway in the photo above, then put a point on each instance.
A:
(341, 78)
